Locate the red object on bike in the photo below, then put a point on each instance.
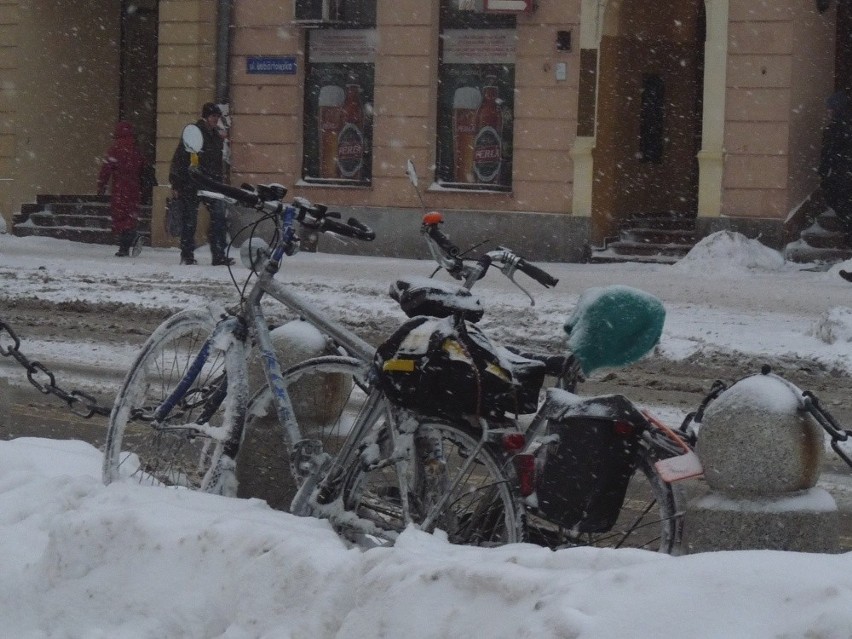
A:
(514, 442)
(525, 469)
(433, 217)
(624, 428)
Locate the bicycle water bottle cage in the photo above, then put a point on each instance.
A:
(424, 296)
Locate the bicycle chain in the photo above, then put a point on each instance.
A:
(48, 387)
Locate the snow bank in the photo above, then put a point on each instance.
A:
(84, 560)
(729, 252)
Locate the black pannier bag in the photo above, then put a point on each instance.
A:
(584, 479)
(430, 366)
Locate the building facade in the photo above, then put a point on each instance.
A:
(541, 124)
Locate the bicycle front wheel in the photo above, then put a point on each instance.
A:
(172, 452)
(452, 482)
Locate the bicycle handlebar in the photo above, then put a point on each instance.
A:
(269, 198)
(352, 228)
(540, 276)
(447, 255)
(242, 196)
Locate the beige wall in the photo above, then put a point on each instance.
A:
(267, 109)
(9, 20)
(780, 69)
(186, 59)
(58, 96)
(59, 101)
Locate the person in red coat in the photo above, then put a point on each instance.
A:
(123, 164)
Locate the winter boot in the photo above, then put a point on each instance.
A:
(124, 240)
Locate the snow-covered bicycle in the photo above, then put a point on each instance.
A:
(185, 407)
(586, 470)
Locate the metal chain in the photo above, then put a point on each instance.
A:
(80, 403)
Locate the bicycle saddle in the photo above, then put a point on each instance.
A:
(425, 296)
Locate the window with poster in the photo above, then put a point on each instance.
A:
(475, 97)
(338, 130)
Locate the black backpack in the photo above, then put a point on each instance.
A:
(440, 367)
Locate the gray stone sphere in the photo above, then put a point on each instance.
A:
(757, 440)
(317, 399)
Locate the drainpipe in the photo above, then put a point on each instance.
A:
(223, 49)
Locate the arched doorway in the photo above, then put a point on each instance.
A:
(648, 134)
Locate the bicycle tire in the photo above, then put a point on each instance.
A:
(483, 509)
(159, 456)
(650, 518)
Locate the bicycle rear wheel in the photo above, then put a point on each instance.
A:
(450, 466)
(173, 453)
(650, 518)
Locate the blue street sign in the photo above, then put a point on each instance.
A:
(275, 65)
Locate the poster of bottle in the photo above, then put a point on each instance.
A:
(475, 123)
(338, 107)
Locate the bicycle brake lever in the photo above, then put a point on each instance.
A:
(526, 292)
(508, 268)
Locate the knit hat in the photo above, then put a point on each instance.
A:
(209, 109)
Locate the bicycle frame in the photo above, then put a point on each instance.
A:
(306, 457)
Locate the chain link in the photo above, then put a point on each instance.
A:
(80, 403)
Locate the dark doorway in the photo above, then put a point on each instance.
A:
(649, 113)
(138, 87)
(843, 52)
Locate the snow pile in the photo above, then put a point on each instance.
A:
(834, 325)
(3, 224)
(728, 251)
(84, 560)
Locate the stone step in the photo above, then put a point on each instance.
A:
(626, 251)
(801, 252)
(660, 236)
(79, 218)
(87, 236)
(44, 199)
(608, 256)
(828, 221)
(819, 237)
(666, 222)
(47, 219)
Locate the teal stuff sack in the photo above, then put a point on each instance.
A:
(614, 326)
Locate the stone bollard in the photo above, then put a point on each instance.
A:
(262, 467)
(762, 455)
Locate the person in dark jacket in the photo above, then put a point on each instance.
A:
(123, 165)
(210, 163)
(835, 166)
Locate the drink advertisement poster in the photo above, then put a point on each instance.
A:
(475, 110)
(338, 107)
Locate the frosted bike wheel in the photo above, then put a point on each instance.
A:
(650, 518)
(171, 453)
(481, 508)
(326, 399)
